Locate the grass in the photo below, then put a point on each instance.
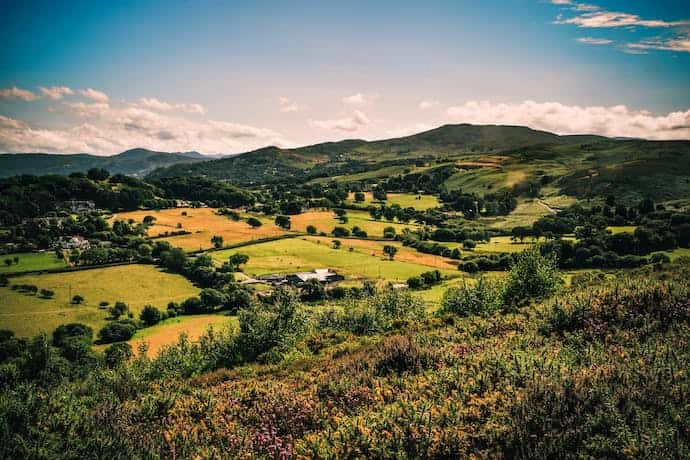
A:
(203, 223)
(136, 285)
(677, 253)
(168, 331)
(31, 261)
(526, 213)
(325, 221)
(405, 200)
(622, 229)
(302, 254)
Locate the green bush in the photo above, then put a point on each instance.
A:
(65, 331)
(150, 315)
(532, 276)
(116, 331)
(482, 298)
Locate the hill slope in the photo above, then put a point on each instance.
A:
(135, 162)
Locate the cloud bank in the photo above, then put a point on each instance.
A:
(613, 121)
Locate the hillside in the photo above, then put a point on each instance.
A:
(482, 159)
(135, 162)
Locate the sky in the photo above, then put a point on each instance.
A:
(223, 77)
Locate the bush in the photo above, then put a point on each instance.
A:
(119, 309)
(77, 300)
(117, 353)
(532, 276)
(116, 331)
(47, 293)
(150, 315)
(415, 282)
(66, 331)
(483, 298)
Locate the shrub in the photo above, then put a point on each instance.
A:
(47, 293)
(117, 354)
(483, 298)
(254, 222)
(415, 282)
(119, 309)
(65, 331)
(311, 229)
(116, 331)
(150, 315)
(532, 276)
(77, 300)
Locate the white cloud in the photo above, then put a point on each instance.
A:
(353, 123)
(607, 19)
(94, 95)
(594, 41)
(109, 127)
(288, 105)
(616, 120)
(360, 99)
(56, 92)
(156, 104)
(17, 93)
(426, 105)
(681, 44)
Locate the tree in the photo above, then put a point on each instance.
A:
(390, 251)
(217, 241)
(283, 222)
(340, 232)
(469, 244)
(117, 331)
(97, 174)
(311, 229)
(238, 259)
(336, 244)
(415, 282)
(312, 290)
(174, 259)
(77, 299)
(117, 353)
(150, 315)
(47, 293)
(8, 262)
(254, 222)
(359, 197)
(380, 194)
(532, 276)
(148, 220)
(71, 330)
(389, 233)
(119, 309)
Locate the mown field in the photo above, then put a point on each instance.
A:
(31, 261)
(136, 285)
(168, 331)
(302, 254)
(404, 200)
(325, 221)
(203, 223)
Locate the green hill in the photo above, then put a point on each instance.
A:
(135, 162)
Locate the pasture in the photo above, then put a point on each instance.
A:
(302, 254)
(30, 262)
(136, 285)
(404, 200)
(325, 221)
(203, 223)
(168, 331)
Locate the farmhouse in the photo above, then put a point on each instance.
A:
(74, 242)
(322, 275)
(78, 206)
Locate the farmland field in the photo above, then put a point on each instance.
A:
(136, 285)
(301, 254)
(405, 200)
(325, 221)
(168, 331)
(203, 223)
(31, 261)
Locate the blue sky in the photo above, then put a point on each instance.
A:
(225, 77)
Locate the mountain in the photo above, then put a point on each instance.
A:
(479, 159)
(353, 155)
(135, 162)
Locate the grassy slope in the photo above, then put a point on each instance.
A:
(137, 285)
(405, 200)
(301, 254)
(31, 261)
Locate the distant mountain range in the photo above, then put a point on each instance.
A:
(135, 162)
(483, 158)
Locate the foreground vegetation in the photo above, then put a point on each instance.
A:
(524, 368)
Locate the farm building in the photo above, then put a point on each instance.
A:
(74, 242)
(323, 275)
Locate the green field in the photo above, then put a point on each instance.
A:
(293, 255)
(404, 200)
(31, 261)
(622, 229)
(136, 285)
(325, 221)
